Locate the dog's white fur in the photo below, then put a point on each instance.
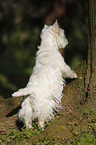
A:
(44, 89)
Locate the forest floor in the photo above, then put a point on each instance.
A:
(69, 128)
(74, 124)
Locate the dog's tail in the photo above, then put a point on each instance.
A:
(22, 92)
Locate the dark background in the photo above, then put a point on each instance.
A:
(21, 22)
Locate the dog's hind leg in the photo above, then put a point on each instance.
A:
(28, 123)
(41, 123)
(26, 113)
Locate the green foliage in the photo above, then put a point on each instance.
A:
(5, 82)
(14, 134)
(22, 138)
(21, 48)
(86, 138)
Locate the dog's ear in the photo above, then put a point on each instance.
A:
(56, 23)
(43, 30)
(55, 28)
(45, 27)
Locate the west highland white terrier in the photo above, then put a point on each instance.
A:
(44, 89)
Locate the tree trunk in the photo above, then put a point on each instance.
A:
(91, 73)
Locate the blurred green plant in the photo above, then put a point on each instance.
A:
(6, 83)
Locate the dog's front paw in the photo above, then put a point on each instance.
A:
(73, 75)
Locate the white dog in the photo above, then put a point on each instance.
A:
(44, 89)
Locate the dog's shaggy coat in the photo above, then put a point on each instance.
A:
(44, 89)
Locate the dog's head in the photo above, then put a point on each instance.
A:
(54, 35)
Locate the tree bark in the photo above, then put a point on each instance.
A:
(91, 73)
